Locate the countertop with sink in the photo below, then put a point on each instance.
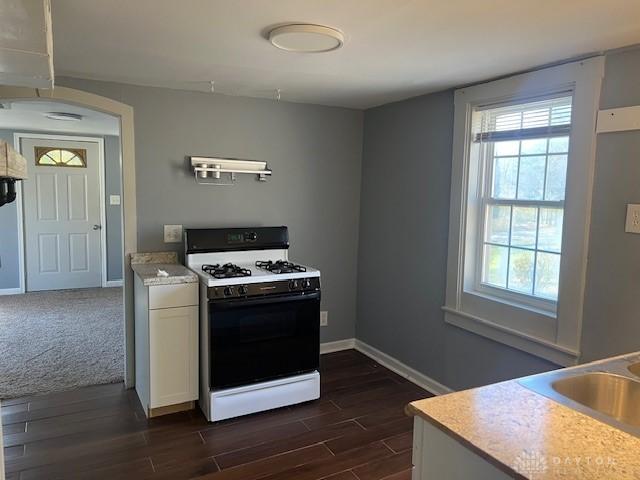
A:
(146, 266)
(548, 426)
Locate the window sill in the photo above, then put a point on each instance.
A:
(486, 293)
(558, 354)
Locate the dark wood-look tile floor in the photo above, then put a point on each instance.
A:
(356, 431)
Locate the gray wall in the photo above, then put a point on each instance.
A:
(611, 317)
(404, 222)
(9, 246)
(113, 213)
(406, 177)
(314, 151)
(9, 249)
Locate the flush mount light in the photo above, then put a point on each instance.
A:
(64, 116)
(306, 38)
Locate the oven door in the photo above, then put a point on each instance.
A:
(258, 339)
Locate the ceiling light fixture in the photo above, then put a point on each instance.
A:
(306, 38)
(64, 116)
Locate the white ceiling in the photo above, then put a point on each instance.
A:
(393, 49)
(30, 116)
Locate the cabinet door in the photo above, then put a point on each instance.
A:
(173, 355)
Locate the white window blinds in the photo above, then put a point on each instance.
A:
(550, 117)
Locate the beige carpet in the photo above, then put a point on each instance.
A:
(60, 340)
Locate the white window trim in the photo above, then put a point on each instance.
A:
(553, 336)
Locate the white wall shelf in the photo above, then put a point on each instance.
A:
(210, 170)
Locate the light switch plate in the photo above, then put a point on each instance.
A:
(114, 199)
(324, 318)
(172, 233)
(633, 218)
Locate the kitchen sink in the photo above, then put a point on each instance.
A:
(635, 369)
(604, 390)
(612, 395)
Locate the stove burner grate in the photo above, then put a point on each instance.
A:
(280, 266)
(228, 270)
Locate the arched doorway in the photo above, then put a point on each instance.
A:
(129, 222)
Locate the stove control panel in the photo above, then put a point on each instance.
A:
(301, 284)
(240, 238)
(298, 285)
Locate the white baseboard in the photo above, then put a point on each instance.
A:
(337, 346)
(110, 283)
(401, 369)
(15, 291)
(387, 361)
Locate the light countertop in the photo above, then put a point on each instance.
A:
(506, 423)
(146, 266)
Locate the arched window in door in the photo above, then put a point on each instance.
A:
(60, 157)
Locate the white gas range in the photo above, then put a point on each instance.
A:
(259, 321)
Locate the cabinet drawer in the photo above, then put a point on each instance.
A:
(168, 296)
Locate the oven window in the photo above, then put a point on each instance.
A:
(263, 339)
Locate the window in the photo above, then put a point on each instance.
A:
(60, 157)
(524, 149)
(521, 182)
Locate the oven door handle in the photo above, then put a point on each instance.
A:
(249, 302)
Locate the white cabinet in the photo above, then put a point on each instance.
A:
(438, 456)
(166, 346)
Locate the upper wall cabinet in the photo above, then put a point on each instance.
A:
(26, 43)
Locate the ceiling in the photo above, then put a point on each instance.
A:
(30, 116)
(393, 49)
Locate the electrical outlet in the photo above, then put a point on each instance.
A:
(172, 233)
(324, 319)
(633, 218)
(114, 199)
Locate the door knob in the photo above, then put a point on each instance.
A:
(97, 227)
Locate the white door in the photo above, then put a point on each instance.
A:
(61, 202)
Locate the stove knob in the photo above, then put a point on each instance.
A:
(228, 291)
(243, 290)
(306, 283)
(293, 285)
